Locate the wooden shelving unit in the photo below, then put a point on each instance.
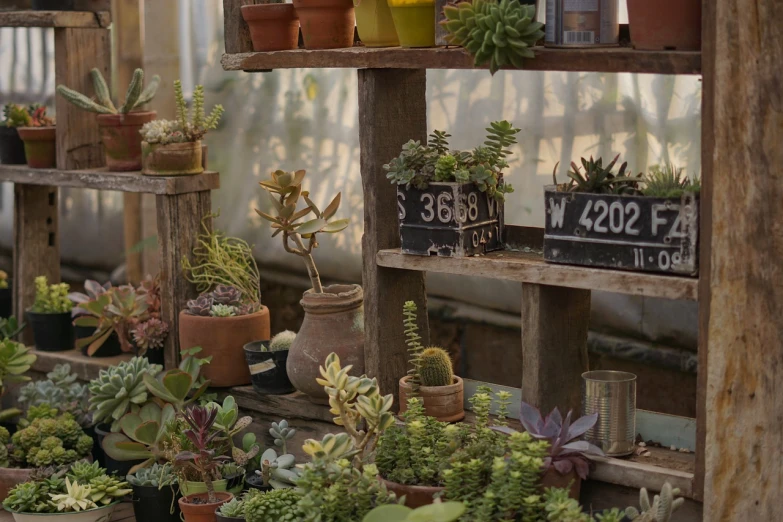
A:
(59, 19)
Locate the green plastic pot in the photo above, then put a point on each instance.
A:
(375, 24)
(414, 21)
(191, 488)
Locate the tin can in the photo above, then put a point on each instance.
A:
(612, 395)
(582, 23)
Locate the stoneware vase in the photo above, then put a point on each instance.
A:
(415, 496)
(445, 403)
(333, 322)
(665, 24)
(172, 159)
(121, 139)
(273, 27)
(326, 24)
(202, 512)
(40, 146)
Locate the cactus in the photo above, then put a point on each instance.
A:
(435, 367)
(135, 96)
(412, 341)
(660, 510)
(282, 341)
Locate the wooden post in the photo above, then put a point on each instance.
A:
(392, 110)
(440, 31)
(235, 29)
(743, 311)
(179, 225)
(554, 346)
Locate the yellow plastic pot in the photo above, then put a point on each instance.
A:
(374, 23)
(414, 21)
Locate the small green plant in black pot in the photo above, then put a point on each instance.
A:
(155, 493)
(50, 316)
(267, 363)
(11, 145)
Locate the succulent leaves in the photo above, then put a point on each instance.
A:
(134, 98)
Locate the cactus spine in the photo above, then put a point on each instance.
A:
(412, 341)
(435, 367)
(662, 506)
(134, 98)
(282, 341)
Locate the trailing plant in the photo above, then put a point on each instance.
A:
(435, 512)
(157, 475)
(203, 460)
(49, 441)
(285, 190)
(435, 367)
(38, 117)
(597, 179)
(135, 97)
(190, 125)
(668, 182)
(278, 505)
(412, 338)
(281, 342)
(15, 116)
(661, 508)
(15, 360)
(51, 299)
(120, 389)
(61, 388)
(499, 32)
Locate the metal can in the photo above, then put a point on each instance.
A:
(582, 23)
(612, 395)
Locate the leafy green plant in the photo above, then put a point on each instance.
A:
(120, 389)
(597, 179)
(106, 489)
(278, 504)
(49, 441)
(230, 424)
(436, 512)
(285, 190)
(15, 360)
(234, 508)
(28, 497)
(15, 116)
(117, 310)
(190, 125)
(50, 299)
(157, 475)
(668, 182)
(282, 341)
(83, 471)
(135, 97)
(661, 508)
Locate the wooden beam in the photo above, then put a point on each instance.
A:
(54, 19)
(235, 29)
(392, 110)
(744, 308)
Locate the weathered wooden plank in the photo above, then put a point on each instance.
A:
(292, 406)
(392, 110)
(529, 267)
(86, 368)
(641, 475)
(235, 29)
(102, 179)
(597, 496)
(72, 19)
(744, 315)
(179, 225)
(618, 59)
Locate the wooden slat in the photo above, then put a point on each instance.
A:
(292, 406)
(102, 179)
(531, 268)
(235, 29)
(619, 59)
(635, 474)
(73, 19)
(86, 368)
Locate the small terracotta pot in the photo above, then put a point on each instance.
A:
(40, 146)
(10, 477)
(415, 496)
(442, 402)
(273, 27)
(333, 322)
(665, 24)
(202, 512)
(224, 339)
(553, 479)
(172, 159)
(121, 139)
(326, 24)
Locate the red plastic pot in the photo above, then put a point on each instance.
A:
(121, 139)
(665, 24)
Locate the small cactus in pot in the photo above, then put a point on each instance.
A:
(282, 341)
(435, 367)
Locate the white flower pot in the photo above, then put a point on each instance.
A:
(100, 514)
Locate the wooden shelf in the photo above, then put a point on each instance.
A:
(86, 368)
(531, 268)
(663, 465)
(73, 19)
(613, 59)
(102, 179)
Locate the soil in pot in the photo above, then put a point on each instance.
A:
(53, 5)
(52, 332)
(375, 24)
(326, 24)
(198, 508)
(223, 338)
(665, 24)
(333, 322)
(10, 477)
(553, 479)
(40, 146)
(273, 27)
(414, 21)
(415, 496)
(121, 139)
(6, 302)
(445, 403)
(153, 504)
(109, 348)
(268, 372)
(11, 147)
(117, 467)
(172, 159)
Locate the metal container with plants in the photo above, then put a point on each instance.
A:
(267, 364)
(40, 139)
(119, 124)
(608, 219)
(11, 145)
(50, 316)
(451, 202)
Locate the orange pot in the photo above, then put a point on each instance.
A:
(553, 479)
(40, 146)
(665, 24)
(273, 27)
(121, 139)
(445, 403)
(415, 496)
(326, 24)
(224, 339)
(10, 477)
(202, 512)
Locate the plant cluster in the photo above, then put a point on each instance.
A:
(419, 165)
(668, 182)
(559, 507)
(120, 389)
(49, 439)
(157, 475)
(135, 97)
(38, 117)
(300, 237)
(190, 125)
(51, 299)
(62, 389)
(223, 301)
(276, 505)
(661, 508)
(281, 342)
(278, 471)
(17, 116)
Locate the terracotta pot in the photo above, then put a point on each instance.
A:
(442, 402)
(10, 477)
(415, 496)
(333, 322)
(665, 24)
(121, 139)
(553, 479)
(224, 339)
(273, 27)
(202, 512)
(40, 146)
(326, 24)
(172, 159)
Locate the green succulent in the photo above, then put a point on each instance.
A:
(436, 512)
(15, 360)
(120, 389)
(668, 182)
(16, 116)
(41, 411)
(134, 98)
(49, 443)
(83, 472)
(51, 299)
(5, 436)
(277, 505)
(75, 498)
(106, 489)
(234, 508)
(598, 179)
(28, 497)
(660, 509)
(435, 367)
(5, 462)
(9, 327)
(560, 507)
(221, 310)
(278, 471)
(282, 341)
(157, 475)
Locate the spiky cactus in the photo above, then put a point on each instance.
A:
(435, 367)
(135, 97)
(662, 506)
(410, 318)
(282, 341)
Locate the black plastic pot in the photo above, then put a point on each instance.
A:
(110, 348)
(97, 451)
(52, 332)
(53, 5)
(6, 302)
(221, 518)
(155, 356)
(151, 504)
(116, 467)
(267, 369)
(11, 147)
(255, 482)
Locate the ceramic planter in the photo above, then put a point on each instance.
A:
(553, 479)
(10, 477)
(40, 146)
(326, 24)
(53, 5)
(121, 139)
(375, 24)
(11, 147)
(273, 27)
(333, 322)
(268, 372)
(204, 512)
(116, 467)
(172, 159)
(153, 504)
(414, 22)
(415, 496)
(110, 348)
(100, 514)
(665, 24)
(224, 339)
(52, 332)
(445, 403)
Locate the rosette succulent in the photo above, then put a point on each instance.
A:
(151, 334)
(49, 441)
(119, 389)
(226, 295)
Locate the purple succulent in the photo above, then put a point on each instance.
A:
(93, 290)
(248, 308)
(201, 306)
(226, 295)
(150, 334)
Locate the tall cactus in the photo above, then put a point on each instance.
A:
(135, 97)
(435, 367)
(409, 311)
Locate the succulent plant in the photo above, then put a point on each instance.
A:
(226, 295)
(157, 475)
(189, 126)
(281, 433)
(412, 338)
(279, 505)
(51, 299)
(203, 460)
(229, 424)
(9, 327)
(118, 310)
(92, 290)
(75, 498)
(661, 508)
(435, 512)
(201, 306)
(220, 310)
(106, 489)
(28, 497)
(234, 508)
(276, 470)
(38, 117)
(135, 97)
(282, 341)
(598, 179)
(15, 116)
(15, 360)
(119, 389)
(60, 388)
(668, 182)
(150, 334)
(435, 367)
(50, 441)
(83, 471)
(142, 435)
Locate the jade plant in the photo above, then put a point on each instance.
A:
(278, 504)
(281, 342)
(435, 512)
(668, 182)
(190, 125)
(597, 179)
(15, 360)
(48, 440)
(51, 299)
(135, 97)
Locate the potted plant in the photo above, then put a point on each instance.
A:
(6, 297)
(276, 471)
(278, 504)
(267, 364)
(50, 316)
(436, 512)
(451, 202)
(92, 292)
(273, 26)
(326, 24)
(666, 25)
(119, 126)
(607, 219)
(40, 140)
(155, 493)
(375, 24)
(234, 509)
(431, 375)
(560, 507)
(334, 315)
(11, 145)
(60, 389)
(173, 147)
